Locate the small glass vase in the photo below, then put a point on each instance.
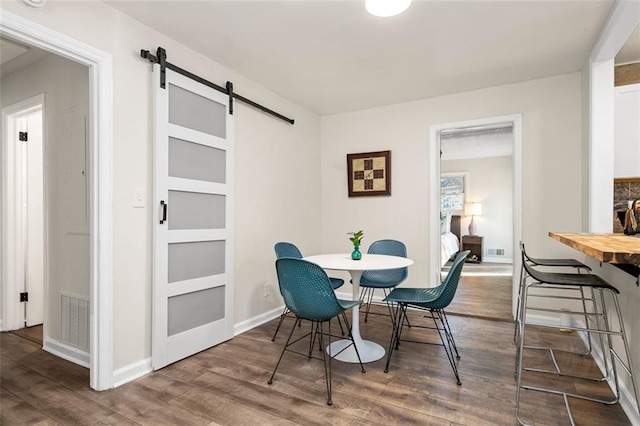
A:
(355, 254)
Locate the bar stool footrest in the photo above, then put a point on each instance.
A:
(558, 371)
(573, 395)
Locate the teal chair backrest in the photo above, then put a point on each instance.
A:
(450, 284)
(287, 250)
(387, 277)
(306, 289)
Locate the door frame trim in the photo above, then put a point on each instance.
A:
(434, 196)
(100, 66)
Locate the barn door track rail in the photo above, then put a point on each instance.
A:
(161, 58)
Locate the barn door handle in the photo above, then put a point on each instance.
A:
(164, 212)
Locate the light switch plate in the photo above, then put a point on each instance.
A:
(138, 198)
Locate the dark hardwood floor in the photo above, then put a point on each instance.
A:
(227, 385)
(30, 333)
(486, 297)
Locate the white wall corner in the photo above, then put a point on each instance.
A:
(131, 372)
(64, 351)
(257, 320)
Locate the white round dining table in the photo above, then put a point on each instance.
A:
(369, 351)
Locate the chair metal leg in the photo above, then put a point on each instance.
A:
(519, 351)
(404, 308)
(340, 324)
(395, 320)
(586, 322)
(282, 353)
(446, 344)
(446, 323)
(327, 362)
(518, 302)
(353, 342)
(601, 337)
(282, 315)
(406, 321)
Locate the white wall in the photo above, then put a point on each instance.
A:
(552, 167)
(626, 152)
(277, 170)
(65, 85)
(490, 182)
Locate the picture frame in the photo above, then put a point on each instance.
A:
(454, 188)
(369, 174)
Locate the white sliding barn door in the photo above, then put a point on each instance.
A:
(193, 219)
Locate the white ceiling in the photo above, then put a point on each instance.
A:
(15, 56)
(630, 52)
(477, 142)
(331, 56)
(10, 50)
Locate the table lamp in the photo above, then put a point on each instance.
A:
(472, 209)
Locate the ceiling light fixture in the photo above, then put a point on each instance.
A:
(386, 8)
(35, 4)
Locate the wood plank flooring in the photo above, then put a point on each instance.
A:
(486, 297)
(227, 384)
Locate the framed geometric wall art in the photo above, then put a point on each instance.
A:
(369, 173)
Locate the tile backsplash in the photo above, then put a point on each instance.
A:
(624, 190)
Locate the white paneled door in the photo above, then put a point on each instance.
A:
(193, 219)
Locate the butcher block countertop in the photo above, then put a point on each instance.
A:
(609, 248)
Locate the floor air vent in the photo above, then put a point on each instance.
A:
(74, 321)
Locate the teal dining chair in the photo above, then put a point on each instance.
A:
(308, 293)
(382, 279)
(433, 300)
(284, 249)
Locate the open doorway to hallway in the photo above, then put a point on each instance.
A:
(45, 193)
(478, 193)
(99, 65)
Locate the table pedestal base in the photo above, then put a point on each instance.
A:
(369, 351)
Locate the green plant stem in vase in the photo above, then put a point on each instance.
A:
(356, 238)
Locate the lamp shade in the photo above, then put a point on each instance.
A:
(473, 209)
(385, 8)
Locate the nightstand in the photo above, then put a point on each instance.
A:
(475, 244)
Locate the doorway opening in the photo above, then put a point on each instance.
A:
(98, 156)
(476, 186)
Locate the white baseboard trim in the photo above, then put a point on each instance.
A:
(1, 327)
(497, 259)
(131, 372)
(257, 320)
(542, 319)
(138, 369)
(64, 351)
(627, 400)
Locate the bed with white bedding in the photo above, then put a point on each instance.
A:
(449, 236)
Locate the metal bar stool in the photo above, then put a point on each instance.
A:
(557, 263)
(576, 282)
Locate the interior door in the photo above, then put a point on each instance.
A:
(193, 217)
